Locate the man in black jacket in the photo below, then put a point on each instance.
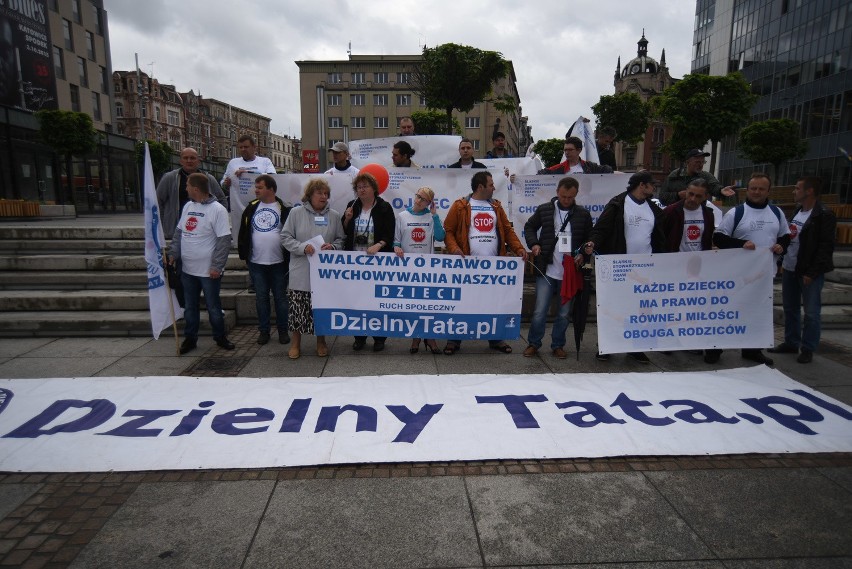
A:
(259, 245)
(554, 231)
(466, 156)
(808, 258)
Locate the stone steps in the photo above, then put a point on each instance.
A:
(85, 323)
(75, 261)
(96, 280)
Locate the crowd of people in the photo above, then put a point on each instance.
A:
(276, 240)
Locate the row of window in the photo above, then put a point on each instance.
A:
(75, 102)
(360, 100)
(379, 78)
(82, 70)
(474, 141)
(382, 122)
(77, 15)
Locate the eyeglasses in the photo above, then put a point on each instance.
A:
(419, 197)
(363, 187)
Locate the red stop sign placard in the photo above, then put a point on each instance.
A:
(418, 234)
(693, 232)
(483, 222)
(191, 224)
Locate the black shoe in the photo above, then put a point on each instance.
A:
(603, 357)
(783, 348)
(188, 345)
(639, 357)
(712, 357)
(263, 338)
(283, 338)
(757, 356)
(223, 342)
(378, 346)
(359, 344)
(251, 289)
(805, 357)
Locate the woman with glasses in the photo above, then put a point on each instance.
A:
(417, 229)
(369, 224)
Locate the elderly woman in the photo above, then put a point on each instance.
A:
(304, 223)
(369, 224)
(417, 229)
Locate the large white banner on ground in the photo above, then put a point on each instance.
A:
(684, 301)
(157, 423)
(416, 296)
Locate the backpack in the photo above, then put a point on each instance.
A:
(740, 210)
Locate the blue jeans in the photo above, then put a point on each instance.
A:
(795, 296)
(545, 289)
(268, 278)
(192, 287)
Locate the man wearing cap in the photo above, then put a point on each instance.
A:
(630, 224)
(342, 165)
(674, 186)
(499, 150)
(466, 156)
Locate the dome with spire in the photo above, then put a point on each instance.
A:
(642, 63)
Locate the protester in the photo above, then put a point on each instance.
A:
(573, 164)
(808, 258)
(417, 229)
(552, 232)
(369, 223)
(245, 168)
(406, 127)
(499, 150)
(606, 154)
(756, 223)
(259, 244)
(629, 224)
(466, 156)
(477, 225)
(674, 186)
(172, 194)
(401, 155)
(201, 242)
(313, 218)
(342, 165)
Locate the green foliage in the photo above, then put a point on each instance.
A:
(453, 76)
(627, 113)
(704, 107)
(774, 141)
(161, 156)
(431, 121)
(67, 132)
(551, 150)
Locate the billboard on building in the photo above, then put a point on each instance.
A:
(26, 73)
(310, 159)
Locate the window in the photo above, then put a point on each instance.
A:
(403, 100)
(104, 80)
(334, 100)
(119, 110)
(144, 111)
(335, 122)
(157, 113)
(380, 122)
(475, 142)
(380, 100)
(90, 45)
(381, 78)
(335, 78)
(66, 34)
(96, 106)
(173, 118)
(359, 122)
(403, 78)
(58, 63)
(96, 15)
(630, 157)
(81, 69)
(75, 11)
(656, 161)
(358, 78)
(75, 98)
(422, 101)
(471, 122)
(53, 5)
(357, 100)
(332, 143)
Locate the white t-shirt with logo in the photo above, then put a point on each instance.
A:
(693, 230)
(265, 234)
(796, 225)
(415, 233)
(638, 225)
(364, 229)
(200, 225)
(759, 225)
(483, 229)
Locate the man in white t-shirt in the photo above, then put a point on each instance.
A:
(239, 178)
(630, 224)
(201, 241)
(342, 165)
(477, 225)
(259, 245)
(756, 223)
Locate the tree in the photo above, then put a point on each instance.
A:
(453, 76)
(69, 133)
(704, 107)
(775, 141)
(627, 113)
(161, 156)
(550, 150)
(434, 122)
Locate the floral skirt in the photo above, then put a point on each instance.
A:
(300, 317)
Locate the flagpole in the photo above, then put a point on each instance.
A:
(171, 305)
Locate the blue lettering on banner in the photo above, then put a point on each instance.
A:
(417, 292)
(424, 319)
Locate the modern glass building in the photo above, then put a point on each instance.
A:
(796, 55)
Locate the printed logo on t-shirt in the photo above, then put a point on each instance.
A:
(191, 223)
(483, 222)
(693, 232)
(418, 235)
(265, 220)
(794, 230)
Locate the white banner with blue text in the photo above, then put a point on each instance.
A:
(684, 301)
(416, 296)
(157, 423)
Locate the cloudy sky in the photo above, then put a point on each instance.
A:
(243, 51)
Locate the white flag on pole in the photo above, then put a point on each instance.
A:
(583, 131)
(158, 289)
